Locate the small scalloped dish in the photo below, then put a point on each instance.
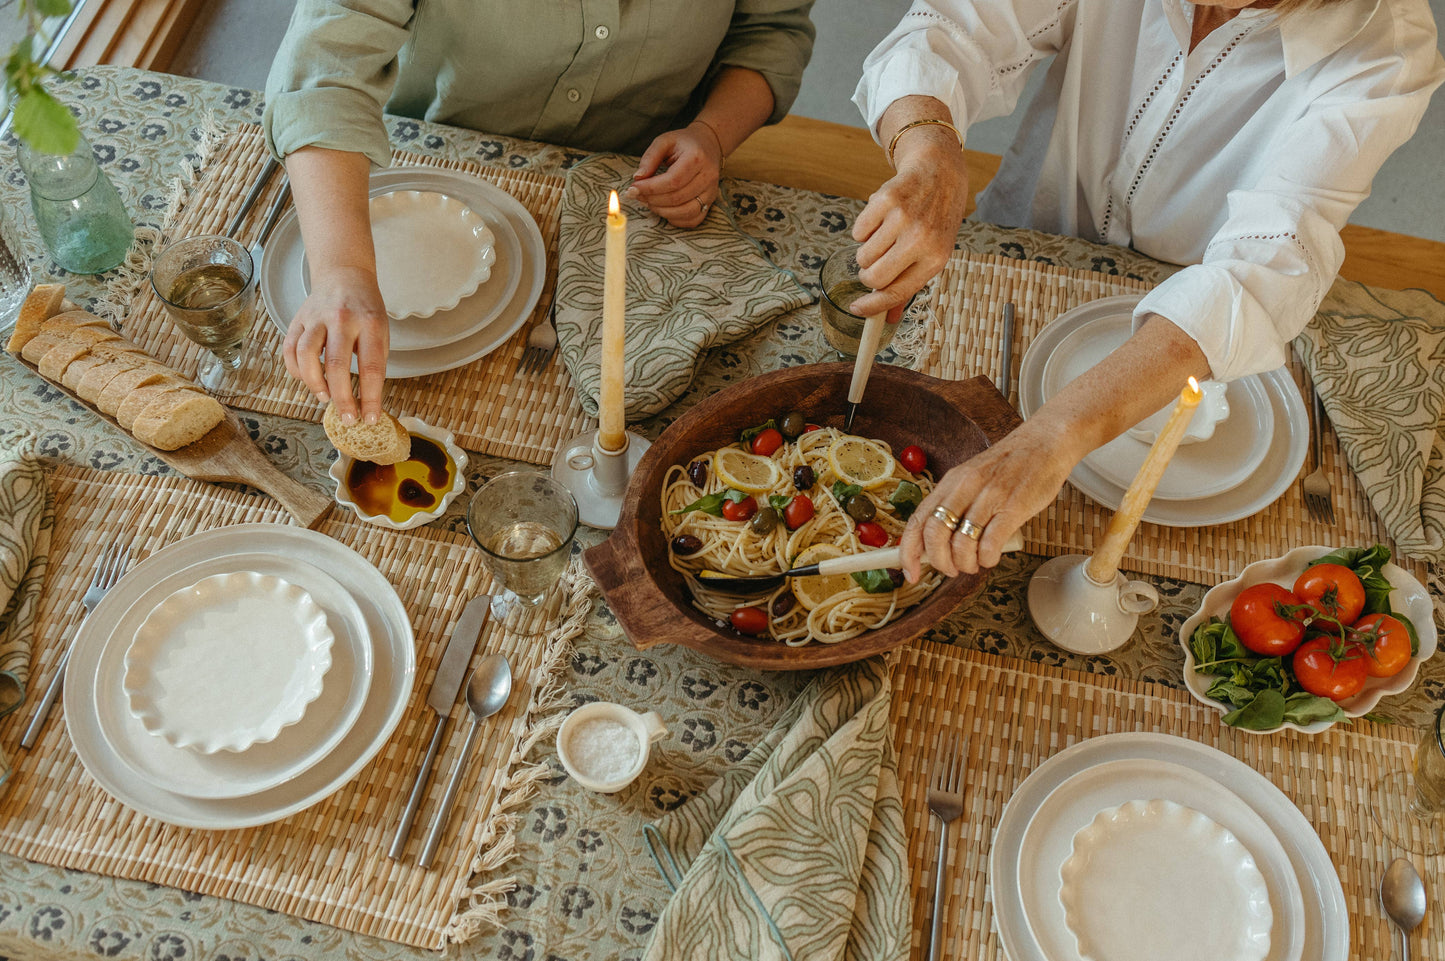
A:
(414, 492)
(431, 251)
(1150, 880)
(228, 662)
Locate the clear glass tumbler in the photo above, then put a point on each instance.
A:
(524, 523)
(15, 279)
(206, 283)
(81, 218)
(841, 286)
(1409, 806)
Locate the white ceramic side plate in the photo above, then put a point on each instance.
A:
(431, 251)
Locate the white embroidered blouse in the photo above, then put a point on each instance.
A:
(1242, 158)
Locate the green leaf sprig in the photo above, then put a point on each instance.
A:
(39, 119)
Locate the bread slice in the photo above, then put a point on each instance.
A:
(97, 378)
(52, 365)
(38, 346)
(43, 303)
(125, 384)
(71, 319)
(385, 442)
(78, 368)
(122, 349)
(135, 402)
(177, 418)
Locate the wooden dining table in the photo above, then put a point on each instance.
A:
(582, 887)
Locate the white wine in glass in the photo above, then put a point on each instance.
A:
(1409, 806)
(206, 284)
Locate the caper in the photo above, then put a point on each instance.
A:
(803, 477)
(793, 424)
(764, 521)
(782, 604)
(697, 473)
(684, 544)
(860, 507)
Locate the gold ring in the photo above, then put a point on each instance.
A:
(970, 530)
(702, 206)
(947, 517)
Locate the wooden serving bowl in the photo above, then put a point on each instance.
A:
(950, 420)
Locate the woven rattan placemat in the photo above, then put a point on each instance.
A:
(970, 296)
(489, 406)
(327, 863)
(1017, 715)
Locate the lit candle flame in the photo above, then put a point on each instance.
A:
(614, 208)
(1194, 392)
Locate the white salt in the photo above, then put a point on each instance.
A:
(603, 750)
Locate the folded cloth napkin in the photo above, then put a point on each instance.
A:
(799, 851)
(687, 290)
(1377, 359)
(26, 519)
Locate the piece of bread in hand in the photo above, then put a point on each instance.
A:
(44, 302)
(385, 442)
(176, 418)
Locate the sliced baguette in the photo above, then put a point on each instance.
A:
(385, 442)
(136, 401)
(38, 346)
(78, 368)
(43, 303)
(177, 418)
(70, 319)
(52, 365)
(97, 378)
(124, 385)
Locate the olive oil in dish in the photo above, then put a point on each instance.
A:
(399, 491)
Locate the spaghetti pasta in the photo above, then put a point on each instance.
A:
(827, 609)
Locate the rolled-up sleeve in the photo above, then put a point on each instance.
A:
(973, 56)
(1266, 270)
(773, 37)
(333, 73)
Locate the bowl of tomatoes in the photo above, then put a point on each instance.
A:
(1302, 641)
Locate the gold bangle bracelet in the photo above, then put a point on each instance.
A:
(893, 144)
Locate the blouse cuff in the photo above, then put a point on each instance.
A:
(908, 73)
(333, 117)
(1212, 307)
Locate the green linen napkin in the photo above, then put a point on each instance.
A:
(26, 519)
(687, 290)
(798, 852)
(1377, 359)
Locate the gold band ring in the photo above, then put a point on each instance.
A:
(702, 206)
(946, 517)
(969, 529)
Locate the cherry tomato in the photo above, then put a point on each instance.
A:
(739, 510)
(1334, 590)
(750, 620)
(913, 459)
(1262, 627)
(767, 441)
(810, 427)
(871, 534)
(1330, 667)
(1386, 640)
(799, 511)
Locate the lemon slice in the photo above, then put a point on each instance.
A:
(812, 591)
(747, 472)
(857, 460)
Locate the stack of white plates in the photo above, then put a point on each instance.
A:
(1036, 836)
(479, 323)
(1252, 458)
(365, 690)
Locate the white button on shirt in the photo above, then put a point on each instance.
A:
(602, 32)
(1243, 158)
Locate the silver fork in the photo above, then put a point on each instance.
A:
(541, 344)
(1317, 486)
(108, 569)
(945, 800)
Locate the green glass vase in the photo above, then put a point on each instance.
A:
(81, 218)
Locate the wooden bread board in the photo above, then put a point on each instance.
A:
(225, 454)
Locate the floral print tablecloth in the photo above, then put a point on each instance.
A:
(587, 888)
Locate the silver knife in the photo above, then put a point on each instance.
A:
(441, 699)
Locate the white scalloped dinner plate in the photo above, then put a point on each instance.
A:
(283, 287)
(263, 766)
(392, 678)
(1284, 449)
(1025, 857)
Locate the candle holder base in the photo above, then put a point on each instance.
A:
(598, 478)
(1081, 615)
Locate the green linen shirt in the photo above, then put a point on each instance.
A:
(593, 74)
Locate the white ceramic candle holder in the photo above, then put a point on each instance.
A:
(1081, 615)
(597, 477)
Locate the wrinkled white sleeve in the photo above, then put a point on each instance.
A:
(973, 55)
(1265, 272)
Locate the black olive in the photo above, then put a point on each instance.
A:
(764, 521)
(684, 544)
(793, 424)
(860, 507)
(782, 604)
(697, 473)
(803, 478)
(896, 576)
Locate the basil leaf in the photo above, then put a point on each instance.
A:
(1306, 708)
(736, 496)
(1216, 648)
(1264, 713)
(1368, 563)
(906, 498)
(712, 503)
(842, 491)
(874, 582)
(1226, 690)
(778, 502)
(746, 436)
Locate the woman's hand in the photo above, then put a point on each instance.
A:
(344, 315)
(683, 193)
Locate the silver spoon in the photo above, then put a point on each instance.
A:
(1402, 894)
(487, 691)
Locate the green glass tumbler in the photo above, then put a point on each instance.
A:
(81, 218)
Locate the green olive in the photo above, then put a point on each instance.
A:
(764, 521)
(793, 424)
(860, 507)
